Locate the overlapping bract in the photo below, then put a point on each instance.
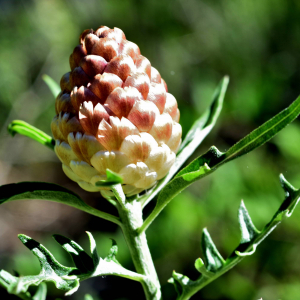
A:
(114, 111)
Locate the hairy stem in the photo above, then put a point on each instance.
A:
(131, 218)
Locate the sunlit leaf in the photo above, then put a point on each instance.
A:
(65, 278)
(23, 128)
(49, 192)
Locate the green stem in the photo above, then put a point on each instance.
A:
(131, 218)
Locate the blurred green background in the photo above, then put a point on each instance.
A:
(193, 43)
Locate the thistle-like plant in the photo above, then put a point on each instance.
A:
(116, 132)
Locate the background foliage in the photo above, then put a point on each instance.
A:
(193, 44)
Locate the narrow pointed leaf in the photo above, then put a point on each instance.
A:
(93, 249)
(213, 259)
(49, 192)
(81, 259)
(32, 132)
(248, 230)
(52, 85)
(264, 133)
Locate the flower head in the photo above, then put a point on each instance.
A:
(114, 111)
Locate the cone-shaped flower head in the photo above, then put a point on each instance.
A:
(114, 111)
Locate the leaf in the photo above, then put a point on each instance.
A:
(49, 192)
(93, 249)
(52, 85)
(41, 292)
(264, 133)
(248, 230)
(65, 278)
(213, 259)
(81, 259)
(250, 239)
(112, 179)
(88, 297)
(200, 267)
(211, 160)
(32, 132)
(194, 137)
(51, 270)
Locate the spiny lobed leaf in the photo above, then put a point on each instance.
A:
(215, 265)
(49, 192)
(65, 278)
(211, 160)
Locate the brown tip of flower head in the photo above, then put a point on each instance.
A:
(65, 84)
(103, 85)
(121, 65)
(105, 47)
(114, 111)
(79, 95)
(121, 101)
(78, 77)
(63, 103)
(93, 64)
(140, 81)
(90, 41)
(78, 53)
(129, 48)
(83, 35)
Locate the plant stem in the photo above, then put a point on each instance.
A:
(131, 217)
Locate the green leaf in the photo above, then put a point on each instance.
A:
(211, 160)
(93, 249)
(88, 297)
(194, 137)
(264, 133)
(52, 85)
(248, 230)
(51, 270)
(112, 179)
(250, 239)
(41, 292)
(213, 259)
(65, 278)
(32, 132)
(49, 192)
(200, 267)
(81, 259)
